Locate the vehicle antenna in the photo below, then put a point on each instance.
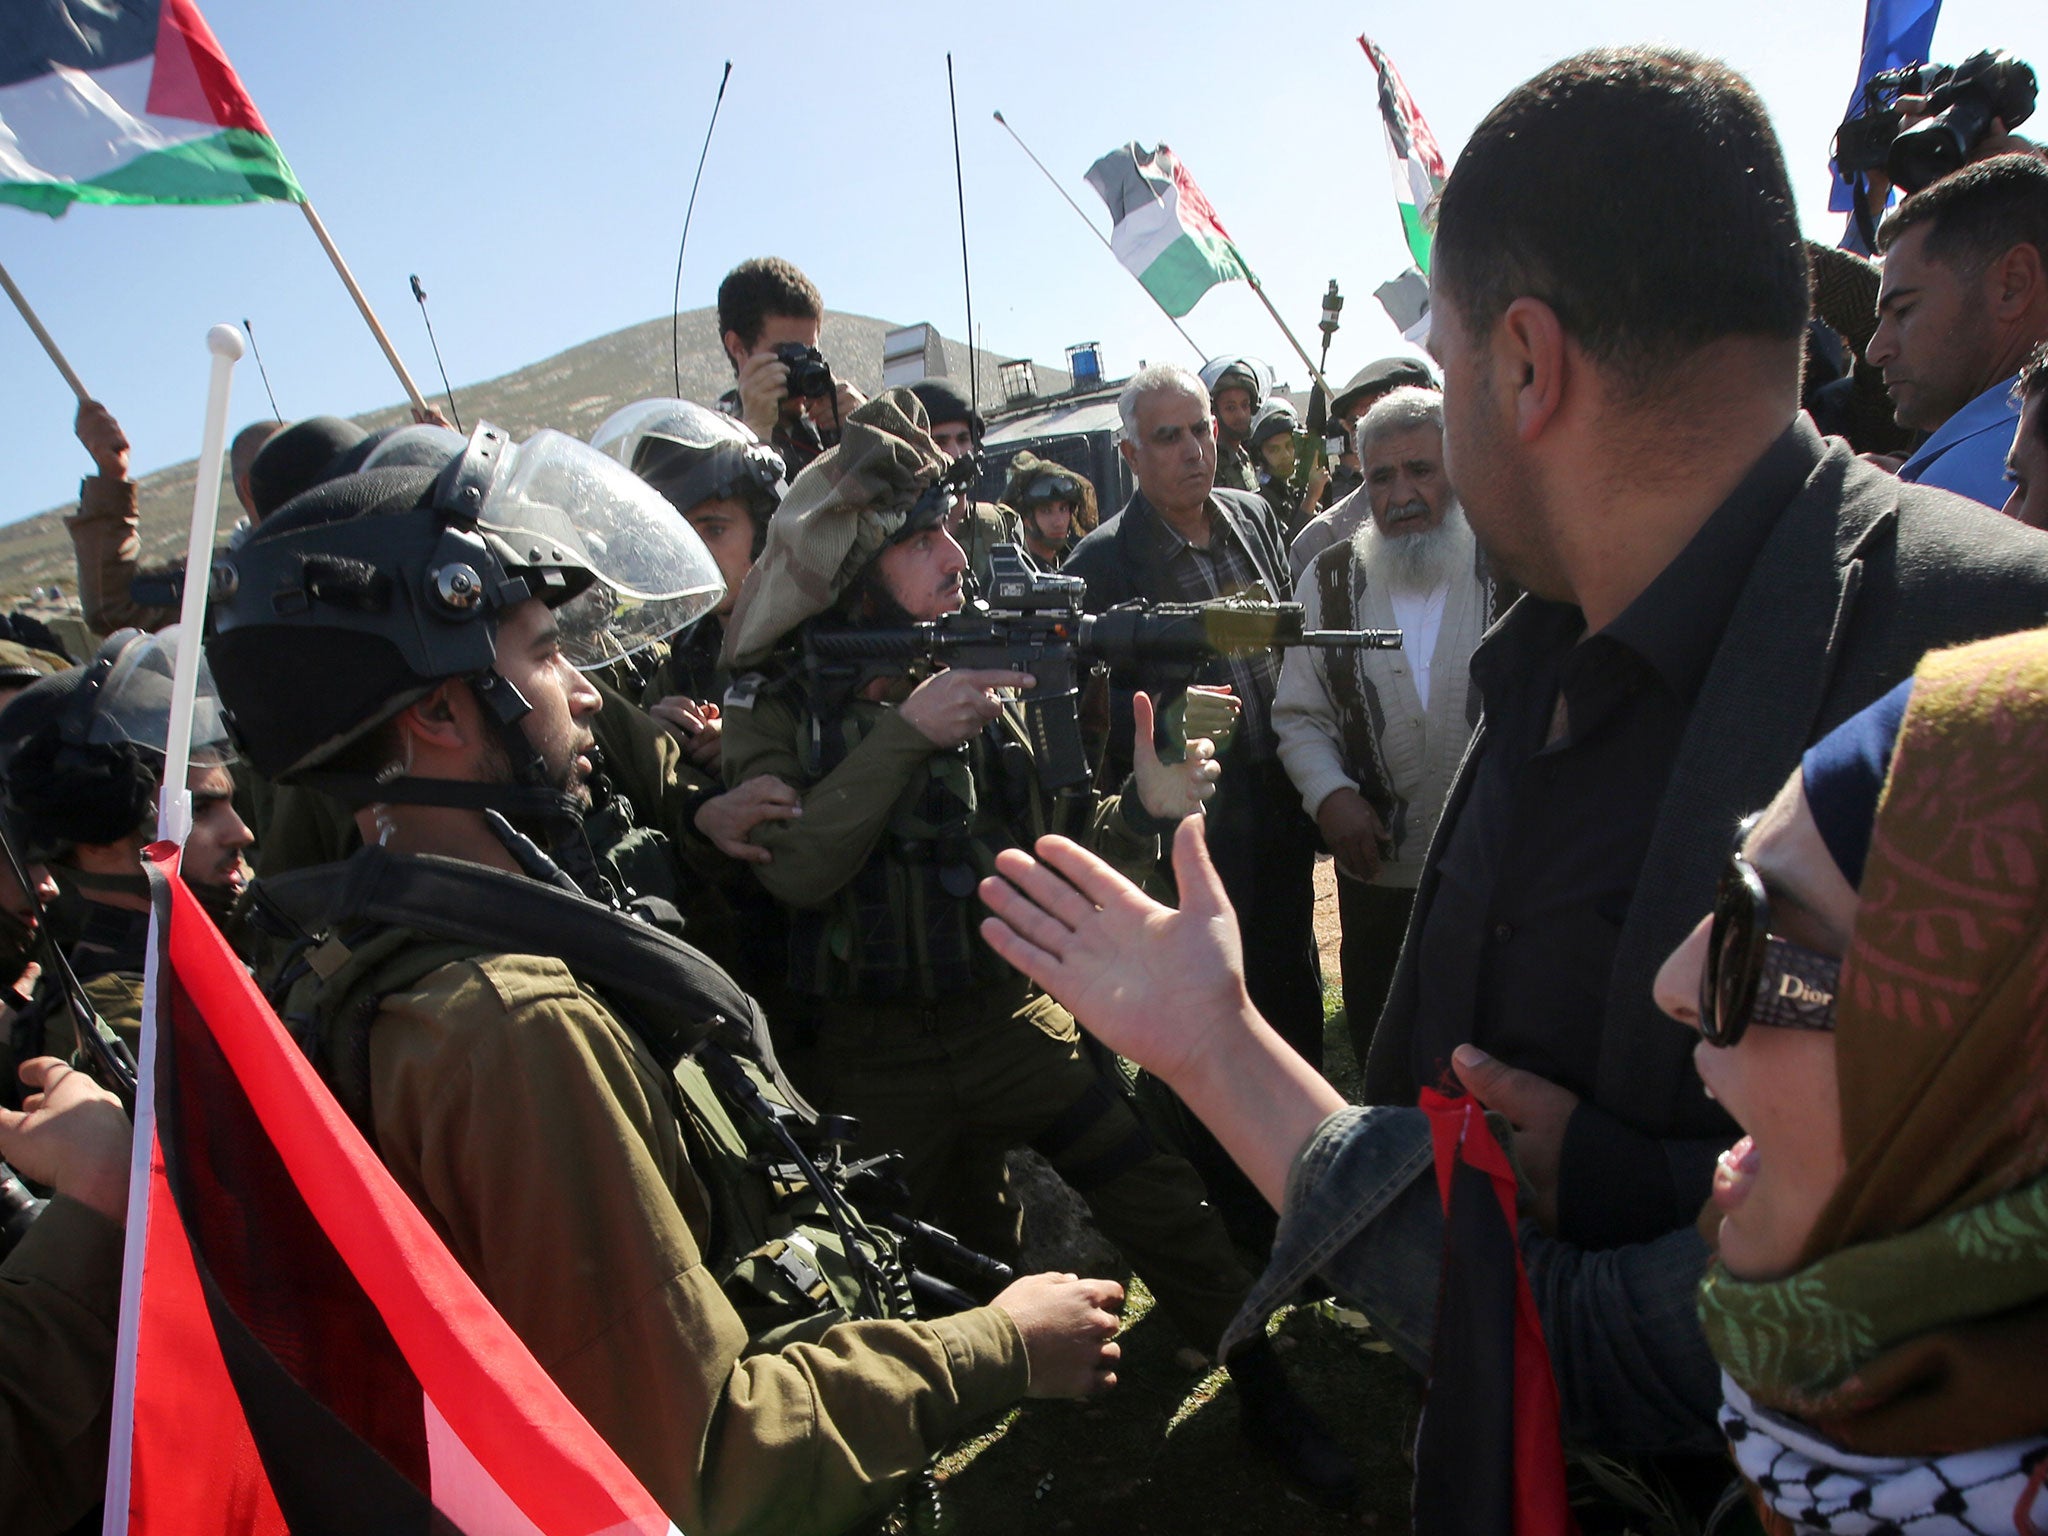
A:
(675, 318)
(966, 282)
(420, 293)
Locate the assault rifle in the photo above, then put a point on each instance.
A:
(1032, 621)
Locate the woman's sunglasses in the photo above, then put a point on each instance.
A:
(1751, 977)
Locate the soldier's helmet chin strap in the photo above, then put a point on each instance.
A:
(529, 796)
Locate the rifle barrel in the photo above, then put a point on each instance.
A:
(1343, 639)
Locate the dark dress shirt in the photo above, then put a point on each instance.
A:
(1539, 868)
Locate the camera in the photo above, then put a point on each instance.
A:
(1962, 100)
(809, 377)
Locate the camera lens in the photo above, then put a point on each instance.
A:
(1928, 151)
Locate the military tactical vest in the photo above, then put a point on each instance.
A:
(773, 1244)
(908, 924)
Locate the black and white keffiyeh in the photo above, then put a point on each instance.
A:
(1819, 1487)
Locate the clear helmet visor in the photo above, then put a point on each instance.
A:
(134, 703)
(680, 421)
(654, 574)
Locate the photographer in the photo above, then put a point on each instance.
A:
(1964, 298)
(60, 1294)
(1923, 122)
(769, 317)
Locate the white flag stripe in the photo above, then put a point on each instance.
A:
(71, 126)
(1147, 230)
(464, 1491)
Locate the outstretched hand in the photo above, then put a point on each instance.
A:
(1170, 791)
(1153, 984)
(1164, 988)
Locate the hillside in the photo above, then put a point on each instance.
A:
(572, 392)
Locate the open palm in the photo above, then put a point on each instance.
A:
(1151, 983)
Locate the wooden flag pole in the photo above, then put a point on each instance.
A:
(49, 344)
(348, 281)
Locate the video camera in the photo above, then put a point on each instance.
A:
(1962, 100)
(1033, 621)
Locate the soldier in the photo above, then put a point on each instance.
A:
(614, 1198)
(726, 483)
(956, 426)
(1237, 388)
(85, 758)
(934, 1044)
(1051, 506)
(60, 1295)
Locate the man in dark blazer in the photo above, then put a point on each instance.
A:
(1619, 296)
(1181, 538)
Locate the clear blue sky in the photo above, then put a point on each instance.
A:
(530, 161)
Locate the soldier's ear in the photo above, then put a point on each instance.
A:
(440, 721)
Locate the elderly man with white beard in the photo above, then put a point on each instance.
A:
(1372, 739)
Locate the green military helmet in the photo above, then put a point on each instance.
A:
(1277, 418)
(1035, 482)
(1236, 372)
(363, 594)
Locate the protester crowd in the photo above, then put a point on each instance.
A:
(1696, 830)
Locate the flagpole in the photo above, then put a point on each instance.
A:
(1314, 372)
(348, 281)
(174, 821)
(49, 343)
(1098, 234)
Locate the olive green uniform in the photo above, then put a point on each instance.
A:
(60, 1298)
(940, 1049)
(588, 1194)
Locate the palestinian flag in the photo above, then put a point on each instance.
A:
(127, 101)
(299, 1352)
(1164, 230)
(1419, 169)
(1489, 1454)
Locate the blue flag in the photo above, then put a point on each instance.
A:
(1895, 33)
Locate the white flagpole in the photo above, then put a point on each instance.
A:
(174, 820)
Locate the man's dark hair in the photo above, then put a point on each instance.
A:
(1978, 214)
(764, 286)
(1642, 195)
(2033, 385)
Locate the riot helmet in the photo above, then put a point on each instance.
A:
(693, 455)
(1245, 373)
(83, 750)
(361, 596)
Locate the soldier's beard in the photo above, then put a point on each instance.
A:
(1416, 562)
(566, 778)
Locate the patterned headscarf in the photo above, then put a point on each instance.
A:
(1917, 1322)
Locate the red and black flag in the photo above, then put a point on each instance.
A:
(300, 1353)
(1489, 1459)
